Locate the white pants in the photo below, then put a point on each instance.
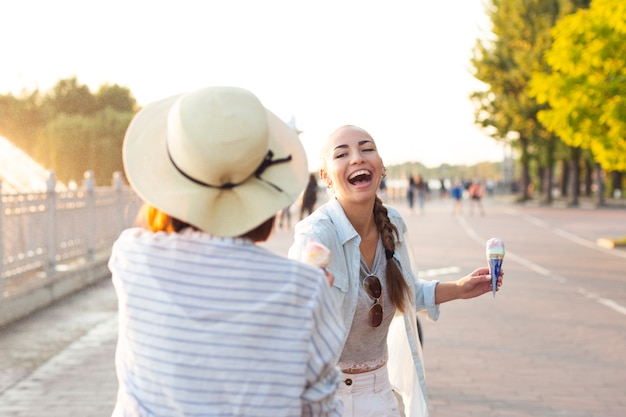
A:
(369, 395)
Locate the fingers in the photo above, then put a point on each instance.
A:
(330, 277)
(480, 271)
(488, 276)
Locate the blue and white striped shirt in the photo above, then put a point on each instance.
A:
(213, 326)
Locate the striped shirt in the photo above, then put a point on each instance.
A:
(213, 326)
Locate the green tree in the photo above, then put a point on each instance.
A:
(110, 127)
(94, 143)
(22, 119)
(69, 129)
(505, 63)
(70, 138)
(115, 97)
(586, 89)
(71, 98)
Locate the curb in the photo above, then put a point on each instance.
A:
(610, 243)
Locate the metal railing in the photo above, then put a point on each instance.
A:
(41, 231)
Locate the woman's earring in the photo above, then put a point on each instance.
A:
(384, 172)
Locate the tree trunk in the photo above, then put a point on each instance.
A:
(616, 184)
(541, 172)
(589, 173)
(600, 176)
(525, 164)
(548, 177)
(565, 176)
(549, 172)
(574, 177)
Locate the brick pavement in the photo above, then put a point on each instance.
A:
(484, 357)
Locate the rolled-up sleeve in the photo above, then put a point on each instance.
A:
(425, 298)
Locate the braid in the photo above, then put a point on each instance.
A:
(396, 285)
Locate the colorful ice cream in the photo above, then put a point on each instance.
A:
(495, 254)
(316, 254)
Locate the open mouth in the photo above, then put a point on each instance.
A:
(359, 177)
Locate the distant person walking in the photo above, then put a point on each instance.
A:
(284, 218)
(421, 187)
(476, 194)
(443, 192)
(410, 192)
(456, 192)
(309, 197)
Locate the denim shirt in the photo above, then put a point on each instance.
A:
(329, 226)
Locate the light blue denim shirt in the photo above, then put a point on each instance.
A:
(329, 226)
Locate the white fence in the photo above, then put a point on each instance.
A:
(42, 231)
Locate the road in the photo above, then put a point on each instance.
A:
(551, 343)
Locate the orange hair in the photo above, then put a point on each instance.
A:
(155, 220)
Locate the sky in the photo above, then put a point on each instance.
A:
(399, 69)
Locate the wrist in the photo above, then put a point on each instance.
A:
(448, 291)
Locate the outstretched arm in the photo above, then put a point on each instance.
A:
(475, 284)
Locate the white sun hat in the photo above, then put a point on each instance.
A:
(215, 158)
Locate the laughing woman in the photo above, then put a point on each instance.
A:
(379, 295)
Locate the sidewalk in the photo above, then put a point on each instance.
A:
(59, 361)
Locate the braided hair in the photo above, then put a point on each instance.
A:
(396, 285)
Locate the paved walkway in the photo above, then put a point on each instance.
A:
(487, 357)
(59, 361)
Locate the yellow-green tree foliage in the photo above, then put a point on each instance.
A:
(69, 129)
(586, 90)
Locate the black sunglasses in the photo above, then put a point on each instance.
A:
(374, 289)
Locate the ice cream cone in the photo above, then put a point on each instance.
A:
(495, 255)
(316, 254)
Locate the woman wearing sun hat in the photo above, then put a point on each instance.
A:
(211, 324)
(381, 360)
